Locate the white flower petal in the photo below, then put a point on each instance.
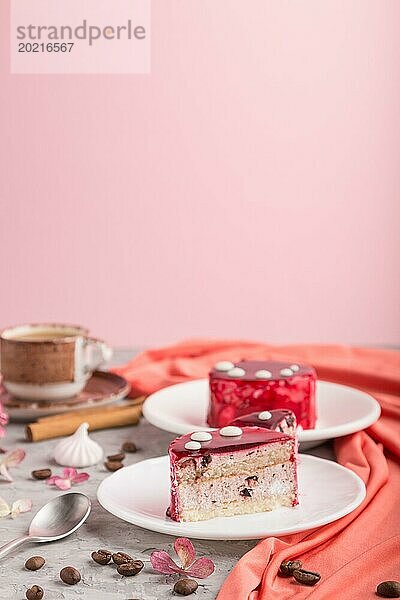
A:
(4, 508)
(4, 473)
(21, 506)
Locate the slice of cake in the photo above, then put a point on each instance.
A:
(233, 471)
(281, 419)
(255, 386)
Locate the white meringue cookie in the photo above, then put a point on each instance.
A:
(78, 450)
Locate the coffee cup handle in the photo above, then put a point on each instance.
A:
(96, 352)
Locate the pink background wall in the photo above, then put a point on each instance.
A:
(248, 187)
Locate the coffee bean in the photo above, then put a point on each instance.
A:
(129, 447)
(306, 577)
(116, 457)
(389, 589)
(70, 575)
(119, 558)
(34, 563)
(185, 587)
(102, 557)
(130, 568)
(288, 566)
(34, 593)
(113, 465)
(41, 474)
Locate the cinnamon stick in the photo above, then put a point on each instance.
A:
(67, 423)
(91, 411)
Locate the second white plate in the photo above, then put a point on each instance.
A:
(341, 410)
(139, 494)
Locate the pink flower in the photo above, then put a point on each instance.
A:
(11, 459)
(68, 477)
(163, 563)
(3, 420)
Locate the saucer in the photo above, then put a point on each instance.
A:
(101, 389)
(341, 410)
(140, 494)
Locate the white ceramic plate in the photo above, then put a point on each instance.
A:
(139, 494)
(341, 410)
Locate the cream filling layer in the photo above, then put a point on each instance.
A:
(237, 507)
(223, 465)
(265, 486)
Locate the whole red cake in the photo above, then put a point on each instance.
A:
(255, 386)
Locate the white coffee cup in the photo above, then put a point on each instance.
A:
(49, 361)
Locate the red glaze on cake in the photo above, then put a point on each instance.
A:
(252, 471)
(240, 390)
(281, 419)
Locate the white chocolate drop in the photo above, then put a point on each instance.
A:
(224, 365)
(295, 368)
(236, 372)
(192, 446)
(286, 372)
(201, 436)
(263, 374)
(265, 415)
(230, 431)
